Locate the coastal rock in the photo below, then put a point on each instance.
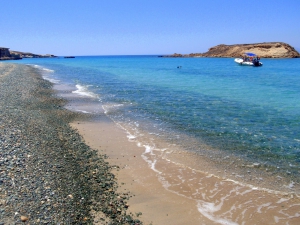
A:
(6, 54)
(264, 50)
(32, 55)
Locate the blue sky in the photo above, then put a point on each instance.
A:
(134, 27)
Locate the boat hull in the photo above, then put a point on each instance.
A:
(242, 63)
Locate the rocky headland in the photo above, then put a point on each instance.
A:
(6, 54)
(264, 50)
(32, 55)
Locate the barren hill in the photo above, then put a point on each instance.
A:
(264, 50)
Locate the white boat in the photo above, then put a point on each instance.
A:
(249, 59)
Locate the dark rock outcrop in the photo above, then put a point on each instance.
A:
(264, 50)
(32, 55)
(6, 54)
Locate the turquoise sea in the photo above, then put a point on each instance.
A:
(249, 113)
(222, 136)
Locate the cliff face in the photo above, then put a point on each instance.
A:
(264, 50)
(5, 54)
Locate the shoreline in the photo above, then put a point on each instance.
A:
(150, 199)
(160, 203)
(156, 185)
(167, 190)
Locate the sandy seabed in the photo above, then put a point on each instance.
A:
(171, 192)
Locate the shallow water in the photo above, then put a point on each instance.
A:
(231, 123)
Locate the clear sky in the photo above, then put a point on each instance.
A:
(135, 27)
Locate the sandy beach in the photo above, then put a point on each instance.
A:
(157, 200)
(167, 189)
(150, 198)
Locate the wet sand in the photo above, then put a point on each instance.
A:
(167, 191)
(169, 185)
(157, 205)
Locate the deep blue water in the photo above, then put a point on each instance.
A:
(253, 113)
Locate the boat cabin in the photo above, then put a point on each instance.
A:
(251, 57)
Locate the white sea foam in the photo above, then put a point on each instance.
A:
(111, 107)
(47, 70)
(131, 137)
(148, 148)
(208, 208)
(83, 91)
(46, 73)
(52, 80)
(83, 111)
(151, 162)
(42, 68)
(282, 200)
(263, 206)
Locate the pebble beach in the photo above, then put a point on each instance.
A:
(48, 174)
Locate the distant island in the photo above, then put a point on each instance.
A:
(264, 50)
(6, 54)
